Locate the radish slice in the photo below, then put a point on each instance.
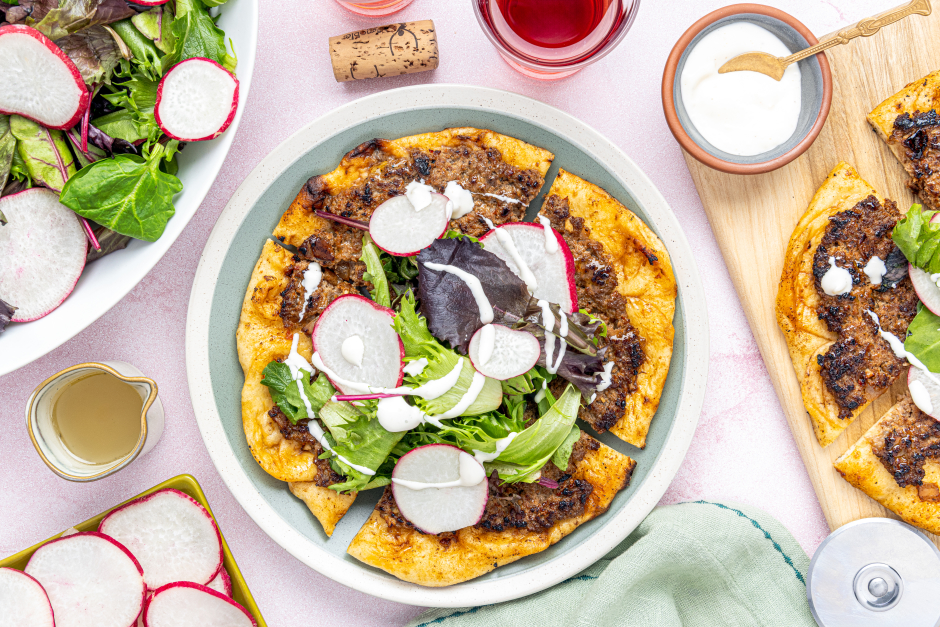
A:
(351, 316)
(150, 3)
(185, 604)
(196, 100)
(24, 601)
(398, 229)
(554, 271)
(39, 81)
(503, 353)
(440, 509)
(172, 535)
(92, 580)
(927, 290)
(222, 583)
(925, 391)
(42, 252)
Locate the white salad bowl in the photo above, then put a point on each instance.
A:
(106, 281)
(215, 377)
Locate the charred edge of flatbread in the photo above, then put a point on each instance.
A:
(797, 299)
(921, 95)
(425, 560)
(862, 468)
(647, 283)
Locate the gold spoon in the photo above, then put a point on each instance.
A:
(774, 67)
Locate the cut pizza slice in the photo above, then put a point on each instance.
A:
(897, 463)
(520, 519)
(624, 277)
(835, 337)
(909, 123)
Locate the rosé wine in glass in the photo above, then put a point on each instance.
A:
(374, 8)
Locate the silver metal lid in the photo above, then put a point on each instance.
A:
(875, 572)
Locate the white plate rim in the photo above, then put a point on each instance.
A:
(361, 577)
(47, 334)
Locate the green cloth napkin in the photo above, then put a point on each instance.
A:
(695, 564)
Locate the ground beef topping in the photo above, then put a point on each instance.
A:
(918, 136)
(596, 282)
(292, 297)
(860, 365)
(913, 438)
(326, 476)
(529, 506)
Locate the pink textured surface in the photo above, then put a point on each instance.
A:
(742, 449)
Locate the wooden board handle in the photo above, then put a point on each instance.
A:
(384, 51)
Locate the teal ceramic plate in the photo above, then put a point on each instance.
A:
(215, 378)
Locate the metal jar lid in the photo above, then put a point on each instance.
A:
(875, 572)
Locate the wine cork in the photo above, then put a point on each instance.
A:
(384, 51)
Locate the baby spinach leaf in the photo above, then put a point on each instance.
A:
(128, 194)
(7, 148)
(45, 153)
(197, 36)
(71, 16)
(923, 340)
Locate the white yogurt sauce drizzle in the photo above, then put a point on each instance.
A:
(439, 387)
(920, 396)
(396, 415)
(541, 393)
(471, 474)
(605, 376)
(898, 347)
(548, 321)
(353, 349)
(487, 343)
(416, 367)
(461, 200)
(476, 288)
(418, 194)
(312, 277)
(505, 239)
(501, 445)
(498, 197)
(298, 365)
(467, 399)
(836, 281)
(876, 270)
(551, 242)
(355, 386)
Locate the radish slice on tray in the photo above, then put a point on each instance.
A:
(352, 323)
(172, 535)
(185, 604)
(222, 583)
(439, 488)
(42, 252)
(23, 600)
(503, 353)
(39, 81)
(553, 271)
(927, 290)
(399, 229)
(92, 580)
(196, 100)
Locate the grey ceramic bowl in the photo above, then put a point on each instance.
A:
(215, 378)
(816, 90)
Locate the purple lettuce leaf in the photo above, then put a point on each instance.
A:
(94, 52)
(6, 314)
(71, 16)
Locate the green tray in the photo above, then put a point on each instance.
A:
(188, 485)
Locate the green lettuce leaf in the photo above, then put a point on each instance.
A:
(563, 453)
(358, 437)
(7, 148)
(157, 26)
(197, 36)
(45, 153)
(375, 274)
(918, 239)
(923, 340)
(285, 393)
(146, 56)
(128, 194)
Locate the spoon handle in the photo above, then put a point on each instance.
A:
(865, 28)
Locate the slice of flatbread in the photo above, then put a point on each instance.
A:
(914, 138)
(797, 299)
(632, 255)
(448, 559)
(862, 468)
(480, 160)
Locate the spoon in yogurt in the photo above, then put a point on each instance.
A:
(774, 67)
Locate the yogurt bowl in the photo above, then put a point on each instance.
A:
(815, 90)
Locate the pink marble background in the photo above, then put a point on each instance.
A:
(742, 450)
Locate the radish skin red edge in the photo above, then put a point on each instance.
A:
(75, 104)
(23, 600)
(187, 604)
(927, 290)
(157, 560)
(222, 582)
(207, 81)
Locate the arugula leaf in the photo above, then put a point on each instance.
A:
(358, 437)
(146, 56)
(285, 393)
(7, 148)
(128, 194)
(72, 16)
(918, 239)
(94, 52)
(197, 36)
(44, 153)
(923, 340)
(374, 272)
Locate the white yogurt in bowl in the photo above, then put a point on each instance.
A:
(741, 113)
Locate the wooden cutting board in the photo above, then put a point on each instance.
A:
(753, 218)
